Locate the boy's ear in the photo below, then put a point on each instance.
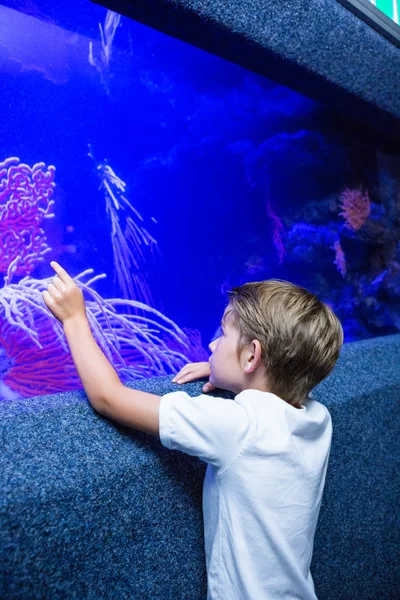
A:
(253, 356)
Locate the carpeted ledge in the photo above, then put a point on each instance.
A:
(317, 47)
(92, 510)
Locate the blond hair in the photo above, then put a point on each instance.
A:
(300, 336)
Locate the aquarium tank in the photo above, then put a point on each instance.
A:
(160, 177)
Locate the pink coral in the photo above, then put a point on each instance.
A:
(34, 370)
(25, 194)
(356, 208)
(340, 259)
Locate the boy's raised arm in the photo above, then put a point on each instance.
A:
(105, 392)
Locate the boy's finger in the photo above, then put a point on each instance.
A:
(184, 371)
(58, 283)
(53, 291)
(62, 273)
(208, 387)
(47, 298)
(183, 379)
(175, 379)
(191, 376)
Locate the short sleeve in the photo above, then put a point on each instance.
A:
(213, 429)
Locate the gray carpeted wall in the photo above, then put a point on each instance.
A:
(92, 510)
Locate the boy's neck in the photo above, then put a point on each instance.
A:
(254, 385)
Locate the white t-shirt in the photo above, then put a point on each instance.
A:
(262, 492)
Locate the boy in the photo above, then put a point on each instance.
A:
(267, 450)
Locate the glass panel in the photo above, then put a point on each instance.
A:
(161, 176)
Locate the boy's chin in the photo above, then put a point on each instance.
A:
(220, 385)
(214, 381)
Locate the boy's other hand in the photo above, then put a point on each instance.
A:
(63, 297)
(193, 371)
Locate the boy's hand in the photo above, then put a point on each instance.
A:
(63, 297)
(193, 371)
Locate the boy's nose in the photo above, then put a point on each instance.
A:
(212, 345)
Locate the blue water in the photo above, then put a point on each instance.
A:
(235, 177)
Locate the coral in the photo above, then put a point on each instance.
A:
(25, 203)
(34, 370)
(37, 358)
(107, 34)
(356, 208)
(130, 240)
(340, 259)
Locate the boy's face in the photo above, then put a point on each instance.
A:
(226, 370)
